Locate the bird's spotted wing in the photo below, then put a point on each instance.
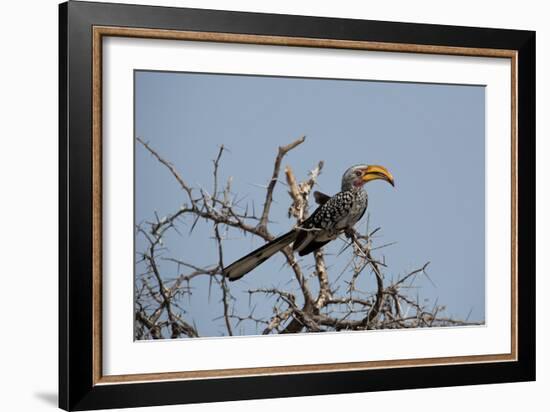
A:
(328, 215)
(324, 220)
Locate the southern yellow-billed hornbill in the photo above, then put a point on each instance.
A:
(334, 216)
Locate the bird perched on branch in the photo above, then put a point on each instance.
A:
(335, 215)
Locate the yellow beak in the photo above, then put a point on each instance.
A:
(375, 172)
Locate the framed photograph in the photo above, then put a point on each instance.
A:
(256, 205)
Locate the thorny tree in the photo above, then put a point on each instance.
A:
(313, 301)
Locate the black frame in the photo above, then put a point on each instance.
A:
(76, 389)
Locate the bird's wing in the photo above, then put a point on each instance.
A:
(245, 264)
(331, 212)
(320, 197)
(322, 222)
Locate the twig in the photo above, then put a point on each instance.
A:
(283, 150)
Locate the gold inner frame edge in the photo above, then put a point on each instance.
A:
(100, 31)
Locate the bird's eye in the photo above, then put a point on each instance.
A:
(358, 173)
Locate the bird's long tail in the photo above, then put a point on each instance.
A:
(241, 267)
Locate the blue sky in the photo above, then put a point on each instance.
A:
(431, 137)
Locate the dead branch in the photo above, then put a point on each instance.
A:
(283, 150)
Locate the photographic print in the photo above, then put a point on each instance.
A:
(271, 205)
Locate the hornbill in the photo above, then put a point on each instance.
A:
(335, 215)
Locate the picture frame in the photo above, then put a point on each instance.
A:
(83, 27)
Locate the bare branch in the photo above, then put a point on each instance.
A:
(283, 150)
(170, 167)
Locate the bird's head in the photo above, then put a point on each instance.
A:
(357, 176)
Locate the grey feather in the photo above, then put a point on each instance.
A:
(320, 197)
(245, 264)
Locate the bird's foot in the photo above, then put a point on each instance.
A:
(350, 233)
